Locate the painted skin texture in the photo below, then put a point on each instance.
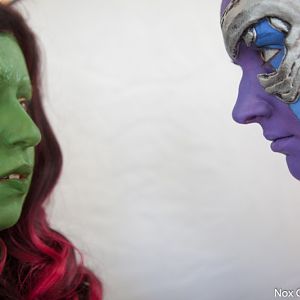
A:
(18, 133)
(254, 105)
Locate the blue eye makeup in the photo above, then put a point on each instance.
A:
(270, 41)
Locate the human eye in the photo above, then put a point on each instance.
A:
(24, 93)
(24, 102)
(272, 57)
(268, 38)
(267, 55)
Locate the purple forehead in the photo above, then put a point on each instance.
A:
(224, 5)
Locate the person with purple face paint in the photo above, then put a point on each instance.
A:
(263, 38)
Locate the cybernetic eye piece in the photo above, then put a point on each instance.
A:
(250, 36)
(274, 30)
(240, 15)
(238, 21)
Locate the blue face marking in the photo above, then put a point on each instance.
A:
(267, 37)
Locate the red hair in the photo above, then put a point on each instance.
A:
(37, 262)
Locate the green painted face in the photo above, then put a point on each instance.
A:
(18, 133)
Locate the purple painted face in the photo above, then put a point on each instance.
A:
(254, 105)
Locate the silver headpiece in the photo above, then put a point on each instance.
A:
(240, 15)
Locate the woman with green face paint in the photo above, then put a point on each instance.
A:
(36, 262)
(19, 134)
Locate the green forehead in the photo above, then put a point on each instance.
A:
(12, 63)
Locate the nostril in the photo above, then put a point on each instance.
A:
(28, 136)
(251, 120)
(243, 117)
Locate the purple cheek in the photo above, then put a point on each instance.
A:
(295, 107)
(250, 106)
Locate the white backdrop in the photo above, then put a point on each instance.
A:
(165, 195)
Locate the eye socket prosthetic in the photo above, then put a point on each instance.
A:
(273, 27)
(268, 36)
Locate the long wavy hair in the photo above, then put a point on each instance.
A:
(37, 262)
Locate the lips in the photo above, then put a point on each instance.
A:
(277, 138)
(282, 138)
(12, 176)
(280, 143)
(18, 173)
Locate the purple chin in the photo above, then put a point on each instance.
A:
(254, 105)
(293, 165)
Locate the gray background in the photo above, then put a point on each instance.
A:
(167, 198)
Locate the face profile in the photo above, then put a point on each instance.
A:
(18, 133)
(36, 261)
(261, 37)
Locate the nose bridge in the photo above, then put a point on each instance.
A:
(250, 105)
(17, 128)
